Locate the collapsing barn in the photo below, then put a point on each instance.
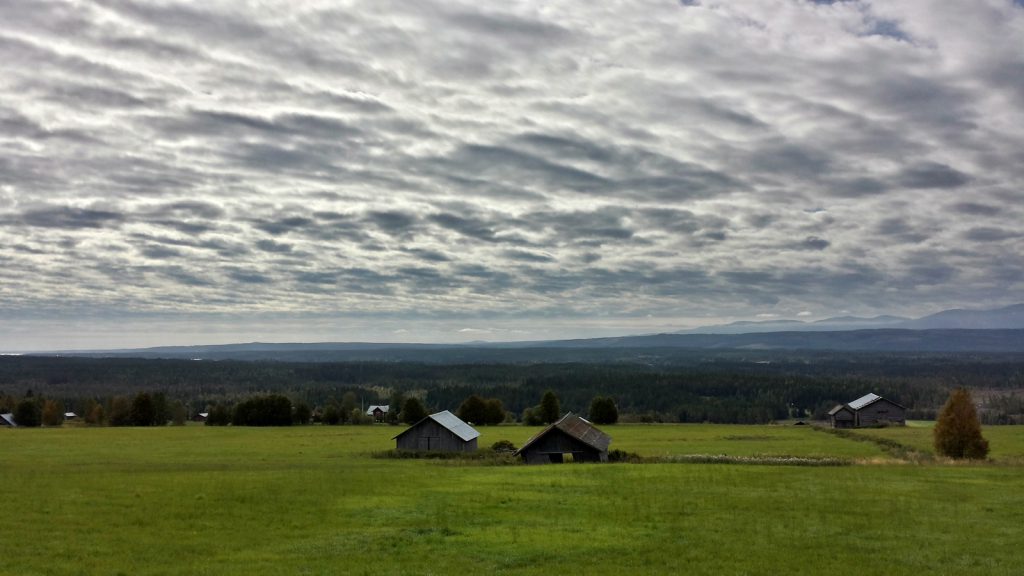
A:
(443, 432)
(571, 439)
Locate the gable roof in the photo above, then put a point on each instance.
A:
(383, 408)
(839, 408)
(869, 399)
(577, 428)
(8, 419)
(453, 423)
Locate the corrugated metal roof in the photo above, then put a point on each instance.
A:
(864, 401)
(384, 409)
(455, 424)
(450, 421)
(578, 428)
(8, 419)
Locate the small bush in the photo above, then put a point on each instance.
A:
(503, 446)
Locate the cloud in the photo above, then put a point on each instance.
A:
(559, 169)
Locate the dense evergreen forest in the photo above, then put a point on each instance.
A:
(716, 387)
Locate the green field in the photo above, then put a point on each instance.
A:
(311, 500)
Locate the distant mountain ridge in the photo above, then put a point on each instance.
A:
(952, 331)
(1007, 318)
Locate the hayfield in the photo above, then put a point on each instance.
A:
(312, 500)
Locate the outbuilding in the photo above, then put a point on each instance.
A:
(378, 412)
(8, 420)
(571, 439)
(866, 411)
(442, 432)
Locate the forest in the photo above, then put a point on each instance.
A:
(725, 387)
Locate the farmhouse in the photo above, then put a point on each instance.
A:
(442, 431)
(868, 410)
(571, 439)
(378, 412)
(7, 420)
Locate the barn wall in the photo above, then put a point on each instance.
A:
(881, 412)
(559, 443)
(842, 419)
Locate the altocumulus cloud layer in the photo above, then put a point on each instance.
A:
(380, 170)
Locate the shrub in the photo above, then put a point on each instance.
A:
(957, 432)
(503, 446)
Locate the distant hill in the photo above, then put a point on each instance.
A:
(1008, 318)
(618, 349)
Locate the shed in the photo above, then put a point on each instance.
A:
(200, 417)
(70, 415)
(841, 416)
(868, 410)
(378, 412)
(8, 420)
(572, 439)
(443, 432)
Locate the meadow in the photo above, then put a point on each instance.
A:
(313, 500)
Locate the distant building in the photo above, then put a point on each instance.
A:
(868, 410)
(200, 417)
(70, 415)
(378, 412)
(571, 439)
(443, 432)
(8, 420)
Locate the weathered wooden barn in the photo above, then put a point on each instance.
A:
(443, 432)
(842, 416)
(868, 410)
(571, 439)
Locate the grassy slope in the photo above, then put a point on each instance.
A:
(309, 501)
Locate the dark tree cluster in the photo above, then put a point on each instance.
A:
(478, 410)
(270, 410)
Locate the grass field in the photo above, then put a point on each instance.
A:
(311, 500)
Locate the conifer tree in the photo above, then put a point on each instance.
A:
(957, 432)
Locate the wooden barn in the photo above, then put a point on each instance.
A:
(571, 439)
(841, 416)
(866, 411)
(443, 432)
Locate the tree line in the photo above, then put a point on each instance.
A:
(726, 389)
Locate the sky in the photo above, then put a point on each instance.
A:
(447, 171)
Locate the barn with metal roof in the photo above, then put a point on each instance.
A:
(868, 410)
(571, 439)
(442, 431)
